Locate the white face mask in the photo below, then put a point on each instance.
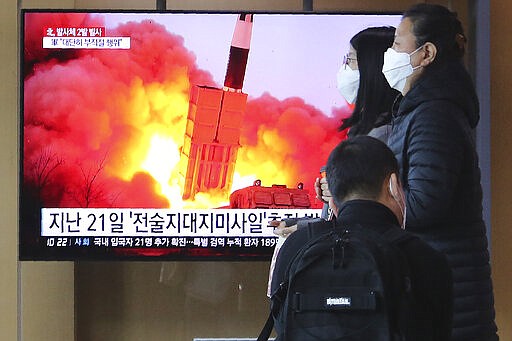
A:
(397, 67)
(348, 83)
(400, 201)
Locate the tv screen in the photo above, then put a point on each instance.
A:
(175, 135)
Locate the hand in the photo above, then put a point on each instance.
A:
(281, 230)
(322, 190)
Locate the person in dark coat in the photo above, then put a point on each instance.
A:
(433, 140)
(362, 175)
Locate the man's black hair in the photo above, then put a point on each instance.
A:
(357, 167)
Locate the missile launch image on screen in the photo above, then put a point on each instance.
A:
(196, 108)
(169, 114)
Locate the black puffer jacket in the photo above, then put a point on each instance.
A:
(432, 138)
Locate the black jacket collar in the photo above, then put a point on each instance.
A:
(367, 213)
(448, 82)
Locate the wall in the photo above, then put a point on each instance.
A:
(8, 143)
(46, 298)
(501, 161)
(45, 289)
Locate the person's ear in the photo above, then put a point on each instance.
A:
(394, 185)
(429, 54)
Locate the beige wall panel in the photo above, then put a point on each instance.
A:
(116, 4)
(134, 301)
(379, 5)
(192, 4)
(362, 5)
(47, 301)
(8, 171)
(501, 161)
(235, 5)
(46, 3)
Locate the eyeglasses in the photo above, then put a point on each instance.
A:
(347, 61)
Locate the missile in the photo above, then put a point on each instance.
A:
(238, 53)
(212, 136)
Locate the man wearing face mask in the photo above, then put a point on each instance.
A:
(433, 141)
(362, 175)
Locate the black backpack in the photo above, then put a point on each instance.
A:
(345, 283)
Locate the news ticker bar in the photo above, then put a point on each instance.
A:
(161, 242)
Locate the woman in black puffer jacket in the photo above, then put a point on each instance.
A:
(432, 138)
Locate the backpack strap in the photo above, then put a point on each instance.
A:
(318, 227)
(267, 328)
(397, 236)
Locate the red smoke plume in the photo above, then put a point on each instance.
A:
(295, 136)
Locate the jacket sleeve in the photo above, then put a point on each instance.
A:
(443, 299)
(433, 154)
(431, 308)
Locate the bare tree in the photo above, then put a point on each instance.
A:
(90, 190)
(40, 170)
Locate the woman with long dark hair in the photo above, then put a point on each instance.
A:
(360, 80)
(372, 111)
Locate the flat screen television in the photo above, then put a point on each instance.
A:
(175, 135)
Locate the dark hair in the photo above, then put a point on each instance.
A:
(374, 96)
(357, 167)
(438, 25)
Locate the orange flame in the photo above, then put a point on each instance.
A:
(155, 150)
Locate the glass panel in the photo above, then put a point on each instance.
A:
(170, 300)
